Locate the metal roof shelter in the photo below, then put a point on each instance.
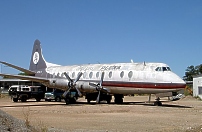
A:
(197, 86)
(6, 83)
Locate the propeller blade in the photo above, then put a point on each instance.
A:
(102, 77)
(65, 93)
(78, 77)
(98, 98)
(79, 93)
(68, 78)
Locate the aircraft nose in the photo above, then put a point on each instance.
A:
(181, 83)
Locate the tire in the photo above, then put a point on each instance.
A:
(72, 100)
(57, 99)
(24, 99)
(67, 101)
(108, 101)
(158, 103)
(15, 99)
(88, 100)
(121, 101)
(118, 101)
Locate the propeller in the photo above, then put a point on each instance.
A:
(98, 86)
(72, 83)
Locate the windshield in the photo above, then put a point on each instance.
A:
(163, 69)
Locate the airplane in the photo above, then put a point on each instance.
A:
(100, 81)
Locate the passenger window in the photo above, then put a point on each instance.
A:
(62, 75)
(53, 75)
(84, 75)
(110, 74)
(73, 74)
(130, 74)
(91, 74)
(122, 74)
(97, 74)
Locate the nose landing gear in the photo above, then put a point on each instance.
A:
(158, 102)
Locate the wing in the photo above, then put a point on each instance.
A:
(31, 78)
(18, 68)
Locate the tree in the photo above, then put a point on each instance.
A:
(198, 69)
(22, 73)
(191, 71)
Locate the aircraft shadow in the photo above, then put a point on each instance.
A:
(24, 104)
(28, 105)
(152, 104)
(134, 103)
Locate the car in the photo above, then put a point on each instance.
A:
(25, 92)
(177, 97)
(56, 95)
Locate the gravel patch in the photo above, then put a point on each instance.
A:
(10, 124)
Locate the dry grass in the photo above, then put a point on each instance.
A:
(26, 115)
(42, 127)
(4, 96)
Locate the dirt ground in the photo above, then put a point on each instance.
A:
(136, 114)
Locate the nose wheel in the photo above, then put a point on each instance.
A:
(158, 102)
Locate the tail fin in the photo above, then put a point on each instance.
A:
(37, 61)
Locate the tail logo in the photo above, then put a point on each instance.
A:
(36, 58)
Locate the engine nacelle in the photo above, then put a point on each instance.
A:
(85, 87)
(62, 84)
(57, 83)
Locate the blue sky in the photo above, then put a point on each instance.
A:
(105, 31)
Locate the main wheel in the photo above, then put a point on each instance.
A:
(108, 101)
(88, 100)
(57, 99)
(118, 100)
(67, 101)
(72, 100)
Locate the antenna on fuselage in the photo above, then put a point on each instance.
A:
(131, 60)
(144, 63)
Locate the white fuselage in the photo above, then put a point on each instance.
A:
(123, 78)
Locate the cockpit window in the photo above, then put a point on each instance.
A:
(168, 68)
(163, 69)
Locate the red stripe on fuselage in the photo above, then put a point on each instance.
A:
(142, 85)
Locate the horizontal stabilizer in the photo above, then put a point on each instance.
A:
(31, 73)
(31, 78)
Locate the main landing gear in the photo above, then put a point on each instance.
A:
(118, 98)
